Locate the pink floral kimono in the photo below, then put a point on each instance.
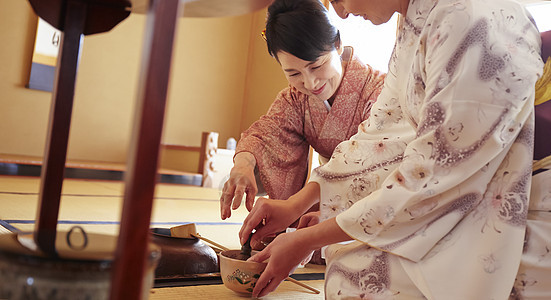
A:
(435, 187)
(280, 139)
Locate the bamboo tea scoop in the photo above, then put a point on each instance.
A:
(189, 230)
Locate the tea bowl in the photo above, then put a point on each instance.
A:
(239, 275)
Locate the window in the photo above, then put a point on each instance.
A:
(541, 12)
(373, 44)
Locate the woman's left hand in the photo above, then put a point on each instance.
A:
(268, 217)
(285, 252)
(288, 250)
(309, 219)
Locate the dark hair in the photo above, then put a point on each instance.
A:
(301, 28)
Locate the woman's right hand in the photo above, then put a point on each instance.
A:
(270, 217)
(309, 219)
(241, 181)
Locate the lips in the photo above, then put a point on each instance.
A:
(318, 91)
(363, 16)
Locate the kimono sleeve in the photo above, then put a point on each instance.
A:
(277, 141)
(469, 96)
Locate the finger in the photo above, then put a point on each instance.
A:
(257, 244)
(225, 212)
(260, 256)
(261, 283)
(249, 202)
(225, 200)
(228, 192)
(274, 283)
(246, 231)
(309, 219)
(256, 240)
(263, 232)
(304, 221)
(253, 219)
(238, 196)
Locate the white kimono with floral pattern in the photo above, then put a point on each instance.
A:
(434, 188)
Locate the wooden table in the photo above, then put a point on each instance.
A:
(77, 18)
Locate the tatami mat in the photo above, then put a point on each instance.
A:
(286, 290)
(3, 230)
(96, 206)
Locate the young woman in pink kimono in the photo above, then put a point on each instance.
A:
(330, 93)
(431, 198)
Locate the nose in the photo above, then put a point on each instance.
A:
(340, 10)
(343, 14)
(309, 81)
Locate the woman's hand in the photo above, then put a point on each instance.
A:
(241, 182)
(270, 217)
(285, 253)
(309, 219)
(290, 249)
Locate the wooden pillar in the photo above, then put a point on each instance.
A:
(58, 129)
(132, 249)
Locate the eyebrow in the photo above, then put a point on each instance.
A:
(308, 64)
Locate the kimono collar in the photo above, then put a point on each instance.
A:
(417, 13)
(330, 124)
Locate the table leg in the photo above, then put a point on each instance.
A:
(58, 129)
(132, 249)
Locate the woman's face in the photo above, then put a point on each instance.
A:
(376, 11)
(320, 78)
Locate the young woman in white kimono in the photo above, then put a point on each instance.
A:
(433, 193)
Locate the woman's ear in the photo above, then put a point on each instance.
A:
(338, 44)
(339, 47)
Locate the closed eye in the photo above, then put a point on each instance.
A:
(319, 66)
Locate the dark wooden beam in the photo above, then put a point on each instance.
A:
(58, 128)
(132, 251)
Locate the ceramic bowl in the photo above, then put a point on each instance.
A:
(182, 257)
(238, 275)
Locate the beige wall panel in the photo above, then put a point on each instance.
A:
(265, 78)
(222, 80)
(208, 79)
(106, 92)
(23, 112)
